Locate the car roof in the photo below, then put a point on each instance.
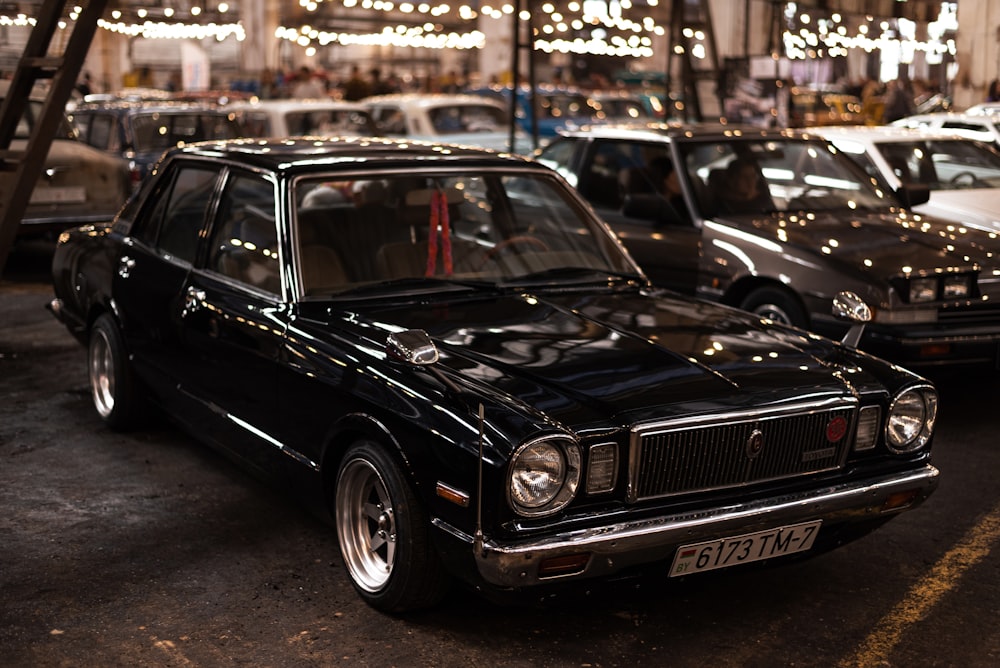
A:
(984, 109)
(157, 106)
(883, 133)
(947, 116)
(294, 104)
(659, 130)
(433, 99)
(292, 154)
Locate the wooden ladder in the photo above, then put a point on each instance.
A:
(20, 169)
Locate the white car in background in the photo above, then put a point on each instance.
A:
(312, 117)
(962, 174)
(973, 124)
(453, 118)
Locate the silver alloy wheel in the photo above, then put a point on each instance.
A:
(773, 312)
(366, 525)
(102, 372)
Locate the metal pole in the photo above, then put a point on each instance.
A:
(515, 58)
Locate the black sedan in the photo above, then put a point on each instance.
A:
(445, 353)
(776, 222)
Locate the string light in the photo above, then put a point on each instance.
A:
(591, 21)
(583, 28)
(829, 37)
(147, 27)
(162, 30)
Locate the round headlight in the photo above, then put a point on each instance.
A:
(544, 476)
(911, 419)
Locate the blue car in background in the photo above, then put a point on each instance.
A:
(139, 131)
(559, 108)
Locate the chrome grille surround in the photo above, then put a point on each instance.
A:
(745, 447)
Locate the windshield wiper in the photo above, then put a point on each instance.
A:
(579, 276)
(414, 284)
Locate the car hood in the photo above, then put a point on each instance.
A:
(879, 243)
(978, 207)
(619, 358)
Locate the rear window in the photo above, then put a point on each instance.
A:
(159, 131)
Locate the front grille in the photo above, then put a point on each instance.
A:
(977, 316)
(721, 451)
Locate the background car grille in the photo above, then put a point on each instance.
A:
(669, 459)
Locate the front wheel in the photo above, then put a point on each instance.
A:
(113, 386)
(776, 304)
(384, 533)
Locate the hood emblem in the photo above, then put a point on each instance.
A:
(836, 429)
(755, 444)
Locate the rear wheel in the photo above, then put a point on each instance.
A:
(776, 304)
(384, 533)
(113, 387)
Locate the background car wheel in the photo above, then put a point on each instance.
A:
(112, 385)
(384, 533)
(776, 304)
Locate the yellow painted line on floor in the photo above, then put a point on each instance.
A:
(973, 547)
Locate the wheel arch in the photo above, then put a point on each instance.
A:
(348, 430)
(741, 288)
(95, 310)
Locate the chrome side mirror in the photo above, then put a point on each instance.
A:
(412, 346)
(850, 307)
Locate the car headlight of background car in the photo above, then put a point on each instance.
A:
(911, 419)
(544, 476)
(922, 289)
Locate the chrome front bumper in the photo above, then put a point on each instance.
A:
(615, 547)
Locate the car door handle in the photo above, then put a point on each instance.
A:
(193, 300)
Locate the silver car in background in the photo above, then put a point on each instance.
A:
(809, 222)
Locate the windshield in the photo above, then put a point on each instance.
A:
(344, 122)
(158, 131)
(448, 230)
(463, 118)
(778, 175)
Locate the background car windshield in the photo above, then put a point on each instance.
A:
(943, 165)
(564, 105)
(328, 122)
(162, 131)
(467, 118)
(768, 176)
(479, 227)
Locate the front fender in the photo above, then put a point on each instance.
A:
(732, 258)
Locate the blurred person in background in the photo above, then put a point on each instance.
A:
(307, 86)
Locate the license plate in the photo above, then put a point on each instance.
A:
(58, 194)
(712, 554)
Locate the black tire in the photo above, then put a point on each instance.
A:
(113, 387)
(384, 533)
(776, 304)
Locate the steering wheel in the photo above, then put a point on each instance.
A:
(521, 240)
(964, 178)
